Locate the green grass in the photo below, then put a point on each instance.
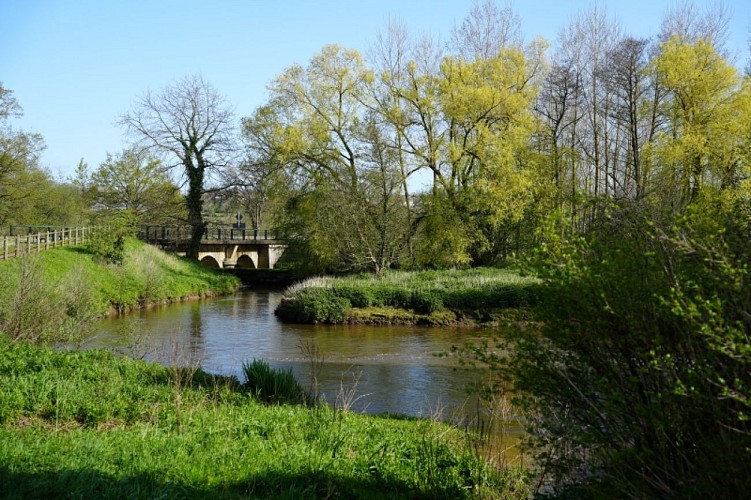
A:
(272, 385)
(93, 425)
(428, 297)
(147, 276)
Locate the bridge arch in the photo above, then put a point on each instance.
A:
(210, 261)
(245, 262)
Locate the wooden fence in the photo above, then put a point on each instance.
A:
(15, 246)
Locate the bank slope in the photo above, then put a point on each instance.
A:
(78, 278)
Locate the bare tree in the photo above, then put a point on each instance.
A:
(486, 30)
(685, 21)
(627, 78)
(191, 124)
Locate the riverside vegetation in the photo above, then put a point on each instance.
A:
(91, 424)
(94, 424)
(56, 295)
(447, 297)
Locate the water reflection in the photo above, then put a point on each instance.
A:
(388, 369)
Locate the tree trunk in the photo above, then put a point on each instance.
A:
(194, 204)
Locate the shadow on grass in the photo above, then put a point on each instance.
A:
(95, 484)
(80, 249)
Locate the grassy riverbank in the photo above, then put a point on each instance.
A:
(57, 293)
(449, 297)
(90, 424)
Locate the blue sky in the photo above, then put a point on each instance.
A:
(76, 65)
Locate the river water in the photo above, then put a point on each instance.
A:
(372, 369)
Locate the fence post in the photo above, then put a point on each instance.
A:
(5, 248)
(16, 247)
(39, 242)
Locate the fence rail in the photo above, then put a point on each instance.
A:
(183, 233)
(23, 244)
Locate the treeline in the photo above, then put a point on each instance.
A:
(429, 154)
(423, 153)
(126, 189)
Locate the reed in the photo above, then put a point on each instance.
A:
(271, 385)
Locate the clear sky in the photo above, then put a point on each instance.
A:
(75, 66)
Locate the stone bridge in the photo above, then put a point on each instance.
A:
(222, 247)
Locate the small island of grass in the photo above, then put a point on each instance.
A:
(436, 298)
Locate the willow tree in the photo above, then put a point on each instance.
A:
(191, 124)
(319, 128)
(468, 123)
(708, 108)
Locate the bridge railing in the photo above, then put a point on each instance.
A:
(22, 242)
(183, 233)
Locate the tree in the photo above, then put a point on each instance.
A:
(191, 124)
(486, 30)
(19, 155)
(626, 76)
(708, 109)
(135, 183)
(320, 128)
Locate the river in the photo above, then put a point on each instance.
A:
(372, 369)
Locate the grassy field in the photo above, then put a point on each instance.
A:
(93, 425)
(428, 297)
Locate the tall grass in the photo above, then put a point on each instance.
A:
(473, 291)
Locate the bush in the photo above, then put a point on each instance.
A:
(425, 301)
(357, 296)
(392, 296)
(271, 385)
(107, 244)
(639, 384)
(314, 305)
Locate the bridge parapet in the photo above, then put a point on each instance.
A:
(218, 233)
(223, 247)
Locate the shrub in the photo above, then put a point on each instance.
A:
(392, 296)
(357, 296)
(31, 308)
(639, 383)
(271, 385)
(425, 301)
(108, 244)
(314, 305)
